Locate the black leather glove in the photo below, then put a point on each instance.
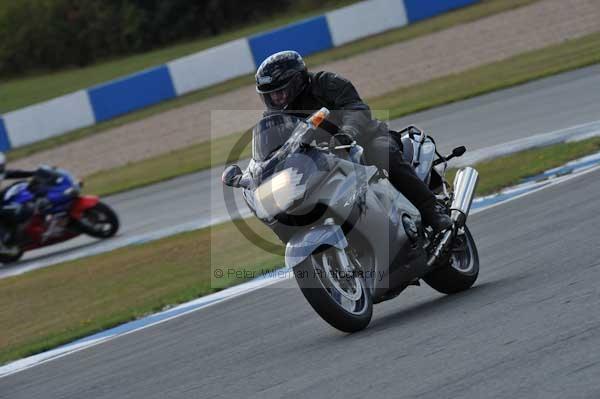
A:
(341, 139)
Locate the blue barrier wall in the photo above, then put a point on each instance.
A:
(417, 10)
(128, 94)
(306, 37)
(233, 58)
(4, 141)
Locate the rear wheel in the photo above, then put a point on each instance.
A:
(340, 297)
(462, 268)
(99, 221)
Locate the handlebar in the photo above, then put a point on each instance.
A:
(337, 147)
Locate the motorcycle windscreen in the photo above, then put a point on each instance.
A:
(270, 133)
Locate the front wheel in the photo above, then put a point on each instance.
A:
(100, 221)
(340, 297)
(11, 255)
(462, 269)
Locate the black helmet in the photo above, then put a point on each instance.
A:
(280, 78)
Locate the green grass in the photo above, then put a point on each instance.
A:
(519, 69)
(49, 307)
(523, 68)
(23, 92)
(509, 170)
(139, 174)
(45, 308)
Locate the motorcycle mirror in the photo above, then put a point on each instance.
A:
(459, 151)
(232, 175)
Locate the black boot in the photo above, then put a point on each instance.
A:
(386, 153)
(435, 215)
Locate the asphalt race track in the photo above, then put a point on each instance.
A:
(142, 211)
(546, 105)
(541, 106)
(529, 328)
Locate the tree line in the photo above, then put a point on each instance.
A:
(53, 34)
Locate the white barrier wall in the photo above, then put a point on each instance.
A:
(364, 19)
(50, 118)
(211, 66)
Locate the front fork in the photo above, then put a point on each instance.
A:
(340, 253)
(342, 258)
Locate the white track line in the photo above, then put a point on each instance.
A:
(575, 133)
(209, 300)
(571, 134)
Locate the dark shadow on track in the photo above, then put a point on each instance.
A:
(419, 312)
(437, 305)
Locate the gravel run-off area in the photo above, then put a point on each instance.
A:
(374, 73)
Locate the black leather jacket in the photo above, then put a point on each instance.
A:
(19, 174)
(348, 110)
(41, 178)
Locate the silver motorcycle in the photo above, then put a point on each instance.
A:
(352, 240)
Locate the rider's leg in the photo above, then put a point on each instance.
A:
(385, 153)
(15, 215)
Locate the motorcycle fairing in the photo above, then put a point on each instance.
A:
(58, 194)
(83, 203)
(306, 242)
(380, 232)
(18, 193)
(367, 211)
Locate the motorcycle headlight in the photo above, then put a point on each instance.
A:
(278, 193)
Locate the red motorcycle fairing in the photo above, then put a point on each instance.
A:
(35, 232)
(37, 227)
(82, 204)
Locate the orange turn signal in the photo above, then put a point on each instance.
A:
(319, 117)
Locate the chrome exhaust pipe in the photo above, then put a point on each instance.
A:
(465, 184)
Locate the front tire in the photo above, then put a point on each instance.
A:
(343, 303)
(10, 253)
(7, 258)
(462, 269)
(99, 221)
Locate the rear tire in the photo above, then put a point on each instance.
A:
(320, 293)
(461, 271)
(99, 221)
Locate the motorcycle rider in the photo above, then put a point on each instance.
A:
(285, 85)
(15, 215)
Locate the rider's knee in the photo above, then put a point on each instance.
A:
(381, 151)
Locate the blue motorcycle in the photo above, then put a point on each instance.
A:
(59, 214)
